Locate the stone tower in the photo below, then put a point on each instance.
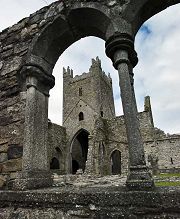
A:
(85, 98)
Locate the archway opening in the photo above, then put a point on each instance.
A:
(54, 164)
(116, 162)
(75, 166)
(79, 151)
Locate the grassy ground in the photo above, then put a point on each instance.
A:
(168, 175)
(166, 183)
(167, 179)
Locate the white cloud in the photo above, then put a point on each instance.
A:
(158, 69)
(157, 73)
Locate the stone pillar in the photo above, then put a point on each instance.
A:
(35, 169)
(89, 169)
(121, 51)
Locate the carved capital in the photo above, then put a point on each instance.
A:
(121, 42)
(33, 76)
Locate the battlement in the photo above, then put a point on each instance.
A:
(67, 72)
(94, 69)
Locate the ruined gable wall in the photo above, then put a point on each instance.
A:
(168, 154)
(116, 137)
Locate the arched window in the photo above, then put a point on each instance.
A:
(81, 116)
(102, 114)
(80, 91)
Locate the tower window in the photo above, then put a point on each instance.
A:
(101, 113)
(80, 91)
(172, 161)
(81, 116)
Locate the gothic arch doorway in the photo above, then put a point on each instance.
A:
(79, 151)
(116, 162)
(54, 164)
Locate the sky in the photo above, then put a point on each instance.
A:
(157, 73)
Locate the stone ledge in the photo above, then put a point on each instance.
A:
(96, 202)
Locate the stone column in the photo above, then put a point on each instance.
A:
(121, 50)
(89, 169)
(35, 168)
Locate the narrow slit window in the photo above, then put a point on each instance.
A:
(172, 161)
(81, 116)
(80, 91)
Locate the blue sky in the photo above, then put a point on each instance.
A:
(157, 73)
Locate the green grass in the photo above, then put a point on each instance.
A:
(166, 179)
(166, 183)
(168, 175)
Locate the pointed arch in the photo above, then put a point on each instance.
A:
(115, 162)
(79, 151)
(54, 164)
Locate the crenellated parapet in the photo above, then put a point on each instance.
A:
(94, 70)
(67, 72)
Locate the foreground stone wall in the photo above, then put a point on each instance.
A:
(96, 202)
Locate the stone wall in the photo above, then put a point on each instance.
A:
(92, 203)
(57, 146)
(162, 151)
(14, 44)
(169, 154)
(117, 140)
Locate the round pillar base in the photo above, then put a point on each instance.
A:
(139, 178)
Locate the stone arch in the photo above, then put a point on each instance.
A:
(79, 151)
(80, 21)
(138, 13)
(58, 158)
(115, 162)
(113, 25)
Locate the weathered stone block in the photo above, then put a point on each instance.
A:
(11, 65)
(1, 65)
(3, 147)
(3, 157)
(3, 141)
(12, 165)
(14, 151)
(13, 175)
(2, 181)
(5, 120)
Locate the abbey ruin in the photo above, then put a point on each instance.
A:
(96, 141)
(92, 142)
